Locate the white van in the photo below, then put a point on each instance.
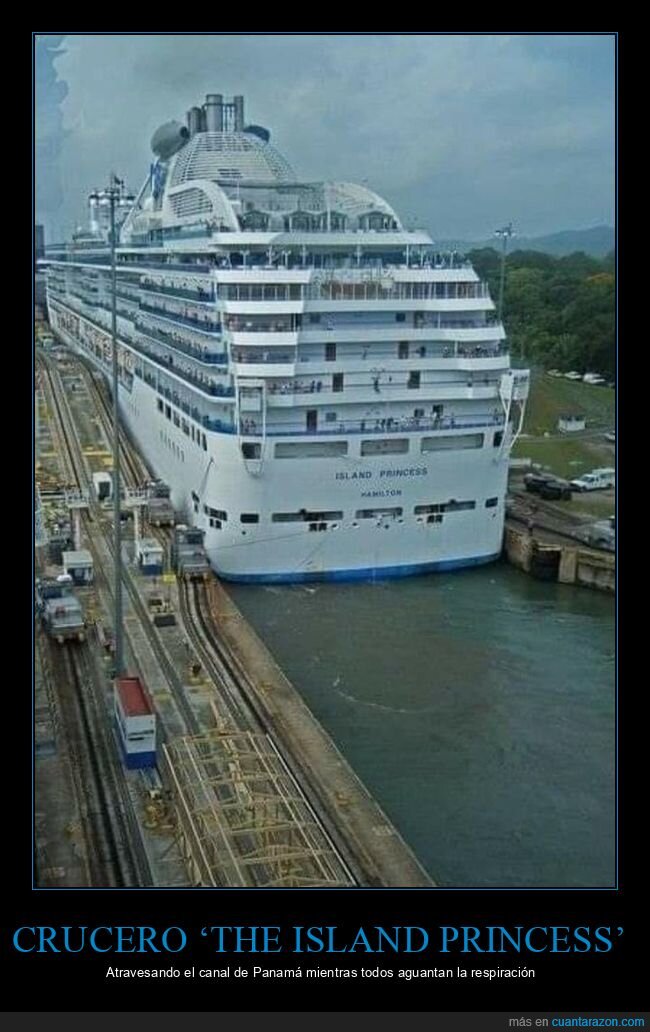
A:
(597, 480)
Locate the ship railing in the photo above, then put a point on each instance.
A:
(190, 268)
(381, 288)
(199, 295)
(202, 325)
(378, 386)
(373, 353)
(169, 340)
(204, 384)
(395, 425)
(262, 358)
(257, 326)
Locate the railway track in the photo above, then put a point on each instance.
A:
(116, 856)
(111, 860)
(231, 682)
(239, 696)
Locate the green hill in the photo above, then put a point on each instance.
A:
(597, 241)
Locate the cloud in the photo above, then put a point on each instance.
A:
(458, 131)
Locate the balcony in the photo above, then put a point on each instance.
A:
(251, 428)
(174, 341)
(286, 395)
(381, 288)
(200, 382)
(425, 357)
(203, 324)
(369, 334)
(199, 294)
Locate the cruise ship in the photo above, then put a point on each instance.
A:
(328, 395)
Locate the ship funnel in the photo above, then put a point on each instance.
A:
(194, 120)
(168, 139)
(239, 113)
(214, 112)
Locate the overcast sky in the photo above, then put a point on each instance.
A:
(460, 133)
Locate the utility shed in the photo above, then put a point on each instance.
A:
(79, 565)
(149, 554)
(570, 423)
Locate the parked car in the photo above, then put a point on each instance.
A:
(611, 436)
(555, 488)
(597, 480)
(547, 486)
(534, 481)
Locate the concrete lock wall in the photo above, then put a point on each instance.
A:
(574, 565)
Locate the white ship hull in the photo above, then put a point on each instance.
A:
(351, 547)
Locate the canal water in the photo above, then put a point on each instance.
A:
(478, 707)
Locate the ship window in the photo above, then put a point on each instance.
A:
(497, 439)
(160, 404)
(168, 411)
(177, 421)
(330, 417)
(413, 380)
(314, 317)
(250, 450)
(288, 517)
(337, 382)
(418, 413)
(425, 510)
(455, 443)
(403, 349)
(218, 514)
(369, 514)
(491, 503)
(454, 506)
(250, 517)
(310, 449)
(440, 507)
(386, 446)
(205, 443)
(316, 519)
(400, 317)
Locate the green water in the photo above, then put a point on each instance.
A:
(478, 707)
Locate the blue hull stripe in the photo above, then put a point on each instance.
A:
(366, 573)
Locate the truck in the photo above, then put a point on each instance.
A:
(60, 610)
(188, 553)
(160, 510)
(597, 480)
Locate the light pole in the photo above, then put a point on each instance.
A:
(113, 195)
(505, 235)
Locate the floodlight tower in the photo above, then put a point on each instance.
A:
(505, 235)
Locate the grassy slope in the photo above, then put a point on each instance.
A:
(550, 398)
(565, 454)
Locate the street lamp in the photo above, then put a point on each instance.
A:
(505, 235)
(114, 194)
